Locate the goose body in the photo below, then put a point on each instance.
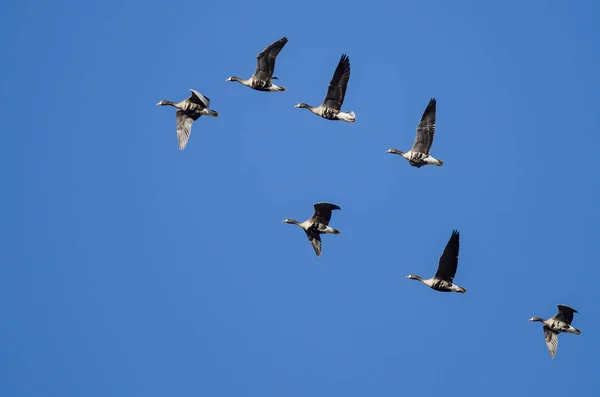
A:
(336, 92)
(419, 155)
(443, 280)
(189, 110)
(317, 224)
(561, 322)
(262, 78)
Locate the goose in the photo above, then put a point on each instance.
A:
(444, 277)
(419, 155)
(318, 224)
(189, 110)
(265, 66)
(557, 324)
(331, 107)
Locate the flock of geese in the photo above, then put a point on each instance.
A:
(190, 109)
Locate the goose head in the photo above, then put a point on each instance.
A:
(301, 105)
(413, 277)
(536, 319)
(288, 220)
(394, 151)
(233, 78)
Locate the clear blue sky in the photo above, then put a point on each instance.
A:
(129, 268)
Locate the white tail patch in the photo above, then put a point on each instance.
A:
(274, 87)
(329, 230)
(433, 161)
(348, 117)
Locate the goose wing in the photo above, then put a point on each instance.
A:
(337, 86)
(565, 314)
(449, 259)
(199, 99)
(265, 60)
(184, 127)
(315, 241)
(322, 212)
(551, 340)
(426, 129)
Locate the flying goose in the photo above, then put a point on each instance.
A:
(189, 111)
(419, 155)
(265, 66)
(444, 277)
(557, 324)
(331, 107)
(318, 224)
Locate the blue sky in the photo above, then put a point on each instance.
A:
(129, 268)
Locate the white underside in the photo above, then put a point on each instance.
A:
(453, 287)
(429, 160)
(428, 282)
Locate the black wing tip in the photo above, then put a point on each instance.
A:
(432, 105)
(329, 205)
(561, 306)
(344, 63)
(454, 239)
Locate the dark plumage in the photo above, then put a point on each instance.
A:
(336, 92)
(419, 155)
(444, 277)
(426, 129)
(265, 66)
(189, 110)
(561, 322)
(317, 224)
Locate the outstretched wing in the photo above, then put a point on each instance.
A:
(551, 340)
(426, 129)
(265, 60)
(199, 99)
(449, 259)
(565, 314)
(184, 127)
(337, 86)
(315, 241)
(322, 212)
